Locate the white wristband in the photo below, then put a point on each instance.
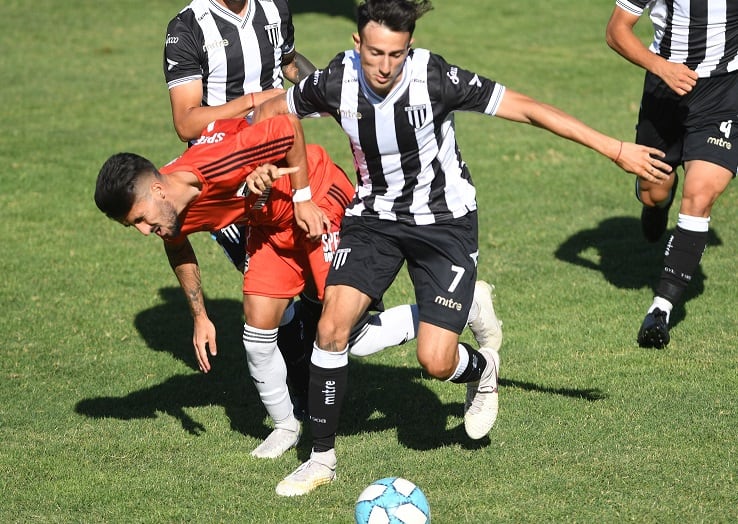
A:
(302, 195)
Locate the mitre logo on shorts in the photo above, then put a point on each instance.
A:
(448, 302)
(340, 257)
(416, 115)
(725, 143)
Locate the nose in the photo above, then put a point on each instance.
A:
(385, 66)
(144, 228)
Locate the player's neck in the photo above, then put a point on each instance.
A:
(184, 188)
(237, 6)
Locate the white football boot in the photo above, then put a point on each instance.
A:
(487, 329)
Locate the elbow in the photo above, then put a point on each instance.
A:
(611, 37)
(184, 133)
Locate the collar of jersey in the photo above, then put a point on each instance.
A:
(230, 15)
(374, 98)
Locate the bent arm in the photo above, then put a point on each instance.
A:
(623, 40)
(190, 117)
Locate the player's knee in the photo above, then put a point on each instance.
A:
(436, 364)
(332, 334)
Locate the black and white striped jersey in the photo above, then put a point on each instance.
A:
(702, 34)
(408, 164)
(232, 55)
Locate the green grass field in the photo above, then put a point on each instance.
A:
(104, 417)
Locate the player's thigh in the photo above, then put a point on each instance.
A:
(368, 257)
(442, 263)
(272, 272)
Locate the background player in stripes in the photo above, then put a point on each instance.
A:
(221, 180)
(689, 109)
(415, 203)
(221, 58)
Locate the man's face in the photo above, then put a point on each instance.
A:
(153, 213)
(382, 53)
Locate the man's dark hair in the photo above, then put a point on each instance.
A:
(396, 15)
(115, 191)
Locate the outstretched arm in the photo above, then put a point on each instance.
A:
(183, 261)
(621, 38)
(640, 160)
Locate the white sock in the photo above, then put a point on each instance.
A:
(463, 363)
(663, 304)
(389, 328)
(269, 372)
(329, 359)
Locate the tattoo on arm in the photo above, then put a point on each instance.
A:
(183, 262)
(297, 68)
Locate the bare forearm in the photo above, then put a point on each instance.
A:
(297, 68)
(184, 264)
(566, 126)
(190, 122)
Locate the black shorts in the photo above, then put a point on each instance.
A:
(441, 260)
(701, 125)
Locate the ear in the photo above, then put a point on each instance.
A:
(157, 189)
(410, 44)
(357, 41)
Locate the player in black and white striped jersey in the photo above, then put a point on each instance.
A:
(223, 57)
(415, 203)
(689, 108)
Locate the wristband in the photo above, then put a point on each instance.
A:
(302, 195)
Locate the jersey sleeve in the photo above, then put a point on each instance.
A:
(288, 29)
(635, 7)
(182, 59)
(463, 90)
(313, 96)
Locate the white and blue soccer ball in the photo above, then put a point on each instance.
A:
(392, 500)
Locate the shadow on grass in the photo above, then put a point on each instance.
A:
(379, 398)
(626, 260)
(344, 8)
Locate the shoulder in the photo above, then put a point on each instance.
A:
(281, 5)
(184, 21)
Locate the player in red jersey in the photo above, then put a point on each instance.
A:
(235, 173)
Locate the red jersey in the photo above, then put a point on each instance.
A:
(223, 157)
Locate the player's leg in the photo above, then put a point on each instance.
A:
(342, 307)
(442, 265)
(295, 340)
(269, 372)
(271, 280)
(710, 154)
(659, 125)
(399, 324)
(357, 277)
(704, 182)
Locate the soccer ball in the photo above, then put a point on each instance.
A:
(392, 500)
